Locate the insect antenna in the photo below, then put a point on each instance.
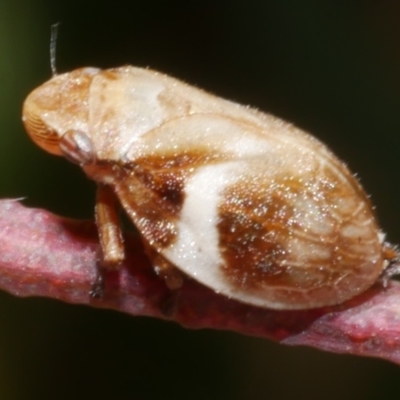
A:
(53, 44)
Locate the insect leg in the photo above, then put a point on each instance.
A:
(109, 228)
(172, 276)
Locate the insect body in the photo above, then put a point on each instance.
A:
(239, 200)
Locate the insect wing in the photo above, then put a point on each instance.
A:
(252, 215)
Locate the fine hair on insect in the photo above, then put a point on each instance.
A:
(236, 199)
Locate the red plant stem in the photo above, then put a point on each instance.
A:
(45, 255)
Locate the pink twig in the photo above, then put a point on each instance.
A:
(45, 255)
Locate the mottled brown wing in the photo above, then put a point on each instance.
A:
(256, 216)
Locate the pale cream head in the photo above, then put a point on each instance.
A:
(58, 106)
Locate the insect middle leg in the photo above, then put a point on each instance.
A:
(165, 269)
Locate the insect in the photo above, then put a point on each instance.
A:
(236, 199)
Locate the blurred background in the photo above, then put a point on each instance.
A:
(330, 67)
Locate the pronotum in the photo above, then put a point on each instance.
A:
(236, 199)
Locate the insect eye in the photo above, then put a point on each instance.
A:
(77, 147)
(41, 134)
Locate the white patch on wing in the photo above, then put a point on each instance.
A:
(196, 250)
(122, 110)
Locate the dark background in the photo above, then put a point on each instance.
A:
(331, 67)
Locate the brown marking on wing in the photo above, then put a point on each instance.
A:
(166, 187)
(152, 192)
(259, 224)
(150, 206)
(181, 158)
(251, 228)
(151, 189)
(165, 176)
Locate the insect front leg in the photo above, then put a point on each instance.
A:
(109, 228)
(110, 235)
